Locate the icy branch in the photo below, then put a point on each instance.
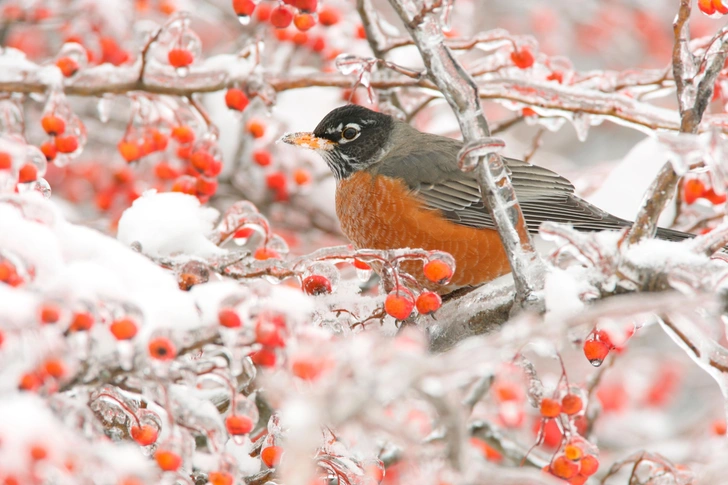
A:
(692, 102)
(461, 93)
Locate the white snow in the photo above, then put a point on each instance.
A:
(561, 293)
(169, 224)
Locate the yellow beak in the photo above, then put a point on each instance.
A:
(308, 140)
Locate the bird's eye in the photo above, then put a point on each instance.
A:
(349, 133)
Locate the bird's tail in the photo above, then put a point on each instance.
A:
(672, 235)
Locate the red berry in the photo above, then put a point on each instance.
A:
(54, 368)
(229, 318)
(301, 176)
(550, 408)
(262, 12)
(318, 44)
(243, 8)
(706, 6)
(596, 351)
(168, 460)
(206, 186)
(256, 128)
(693, 189)
(165, 171)
(262, 158)
(220, 478)
(53, 125)
(308, 368)
(6, 161)
(124, 328)
(236, 99)
(720, 7)
(29, 382)
(49, 150)
(522, 58)
(300, 38)
(399, 303)
(328, 16)
(243, 233)
(571, 404)
(183, 134)
(715, 199)
(180, 57)
(573, 452)
(237, 424)
(129, 150)
(271, 455)
(67, 144)
(275, 181)
(437, 271)
(557, 76)
(281, 17)
(261, 254)
(159, 140)
(49, 313)
(359, 264)
(28, 173)
(144, 435)
(306, 5)
(589, 465)
(265, 357)
(185, 184)
(38, 452)
(81, 321)
(123, 175)
(562, 467)
(304, 21)
(316, 285)
(68, 66)
(162, 348)
(202, 160)
(270, 331)
(719, 427)
(428, 302)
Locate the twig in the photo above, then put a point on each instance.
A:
(375, 37)
(535, 145)
(145, 51)
(703, 348)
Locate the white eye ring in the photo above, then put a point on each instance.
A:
(350, 133)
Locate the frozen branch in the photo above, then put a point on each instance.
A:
(461, 93)
(692, 104)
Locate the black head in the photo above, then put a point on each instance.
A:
(349, 138)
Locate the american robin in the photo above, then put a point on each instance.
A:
(397, 187)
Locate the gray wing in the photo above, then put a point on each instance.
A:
(428, 164)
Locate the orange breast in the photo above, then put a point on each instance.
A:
(380, 213)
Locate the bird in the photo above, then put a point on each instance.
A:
(397, 187)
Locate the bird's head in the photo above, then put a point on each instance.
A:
(349, 138)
